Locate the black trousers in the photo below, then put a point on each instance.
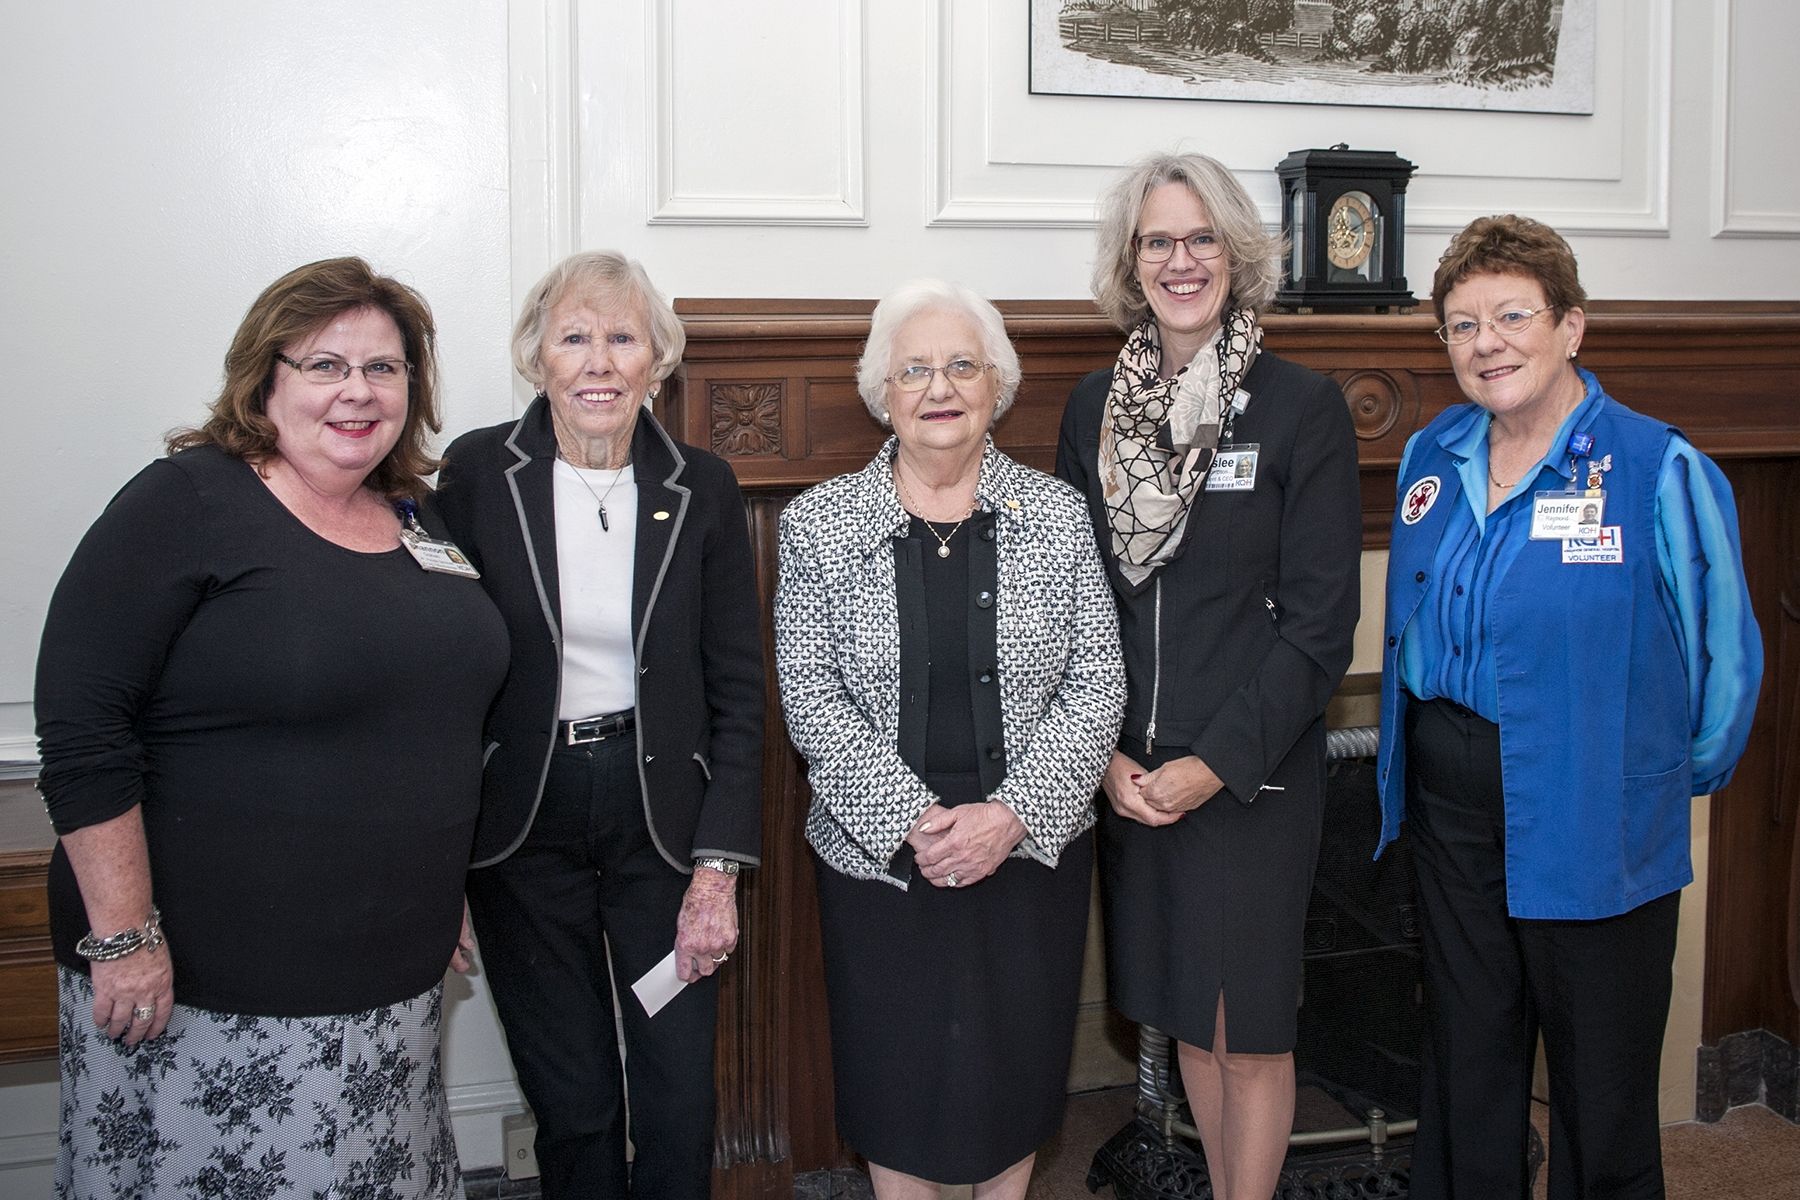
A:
(1598, 991)
(588, 882)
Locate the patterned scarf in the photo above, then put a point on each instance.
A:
(1158, 438)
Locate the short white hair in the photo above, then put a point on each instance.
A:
(918, 296)
(602, 279)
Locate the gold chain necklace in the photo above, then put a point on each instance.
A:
(943, 539)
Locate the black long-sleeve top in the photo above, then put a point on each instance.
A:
(300, 724)
(1237, 647)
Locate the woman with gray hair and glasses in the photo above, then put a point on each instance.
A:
(950, 669)
(622, 786)
(1222, 485)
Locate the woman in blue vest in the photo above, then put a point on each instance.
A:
(1569, 657)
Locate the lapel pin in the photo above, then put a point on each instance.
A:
(1013, 504)
(660, 515)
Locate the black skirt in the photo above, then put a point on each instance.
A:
(953, 1012)
(1215, 903)
(952, 1009)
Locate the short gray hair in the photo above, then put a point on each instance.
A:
(602, 278)
(918, 296)
(1253, 254)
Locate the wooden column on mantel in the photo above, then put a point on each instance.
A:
(771, 385)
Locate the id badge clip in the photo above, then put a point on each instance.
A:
(1568, 512)
(434, 554)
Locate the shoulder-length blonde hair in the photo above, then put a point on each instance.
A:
(290, 309)
(601, 278)
(1253, 254)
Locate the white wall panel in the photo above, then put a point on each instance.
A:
(758, 114)
(1756, 98)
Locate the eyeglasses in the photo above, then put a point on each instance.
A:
(1506, 324)
(917, 377)
(1160, 247)
(329, 368)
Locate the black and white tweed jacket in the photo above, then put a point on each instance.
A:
(837, 649)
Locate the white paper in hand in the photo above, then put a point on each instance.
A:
(659, 985)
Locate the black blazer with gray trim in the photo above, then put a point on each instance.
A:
(697, 640)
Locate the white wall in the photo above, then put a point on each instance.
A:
(165, 162)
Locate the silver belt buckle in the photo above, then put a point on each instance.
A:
(576, 728)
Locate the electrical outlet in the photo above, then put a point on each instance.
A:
(518, 1134)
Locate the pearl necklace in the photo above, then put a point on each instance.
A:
(943, 539)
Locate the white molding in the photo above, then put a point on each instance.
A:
(669, 206)
(543, 149)
(952, 203)
(476, 1099)
(22, 749)
(1728, 220)
(27, 1150)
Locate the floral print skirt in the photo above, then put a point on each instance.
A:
(222, 1105)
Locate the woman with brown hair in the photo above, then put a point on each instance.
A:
(1570, 657)
(264, 773)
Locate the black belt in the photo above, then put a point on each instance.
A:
(1452, 708)
(597, 729)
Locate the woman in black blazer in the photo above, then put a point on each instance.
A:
(621, 793)
(1222, 484)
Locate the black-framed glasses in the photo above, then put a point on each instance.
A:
(1160, 247)
(1507, 324)
(329, 368)
(917, 377)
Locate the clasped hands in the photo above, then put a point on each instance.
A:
(954, 847)
(1158, 797)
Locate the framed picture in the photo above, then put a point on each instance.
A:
(1512, 55)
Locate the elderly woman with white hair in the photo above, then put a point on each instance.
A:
(621, 794)
(1222, 483)
(950, 669)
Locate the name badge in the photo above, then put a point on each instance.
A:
(1234, 468)
(1606, 546)
(436, 555)
(1561, 516)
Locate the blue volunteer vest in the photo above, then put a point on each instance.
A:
(1594, 726)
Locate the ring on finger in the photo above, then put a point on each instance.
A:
(145, 1013)
(719, 958)
(951, 879)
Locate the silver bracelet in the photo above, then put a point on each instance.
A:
(126, 941)
(725, 866)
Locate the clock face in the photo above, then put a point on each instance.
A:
(1350, 230)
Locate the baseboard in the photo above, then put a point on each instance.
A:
(1751, 1067)
(27, 1150)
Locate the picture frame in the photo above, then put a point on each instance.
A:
(1506, 55)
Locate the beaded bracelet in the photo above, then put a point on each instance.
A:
(126, 941)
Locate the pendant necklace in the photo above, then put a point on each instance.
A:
(943, 539)
(600, 497)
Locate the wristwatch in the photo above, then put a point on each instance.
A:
(725, 866)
